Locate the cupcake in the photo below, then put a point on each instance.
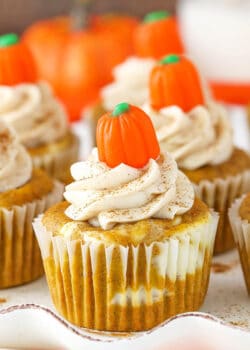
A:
(196, 131)
(155, 36)
(131, 80)
(32, 110)
(24, 193)
(131, 246)
(239, 215)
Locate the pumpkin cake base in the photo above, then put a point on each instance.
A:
(239, 215)
(20, 258)
(132, 277)
(57, 157)
(218, 186)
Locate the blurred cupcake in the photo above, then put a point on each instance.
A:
(131, 246)
(239, 215)
(24, 193)
(197, 132)
(36, 115)
(131, 80)
(155, 36)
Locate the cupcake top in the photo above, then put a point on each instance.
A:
(193, 128)
(27, 106)
(131, 80)
(244, 210)
(15, 162)
(34, 113)
(127, 179)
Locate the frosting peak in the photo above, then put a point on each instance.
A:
(106, 196)
(201, 137)
(15, 162)
(130, 84)
(34, 113)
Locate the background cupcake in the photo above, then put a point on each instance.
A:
(196, 131)
(132, 246)
(32, 110)
(24, 193)
(239, 215)
(155, 36)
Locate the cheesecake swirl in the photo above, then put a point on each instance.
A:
(34, 113)
(131, 79)
(201, 137)
(15, 162)
(106, 196)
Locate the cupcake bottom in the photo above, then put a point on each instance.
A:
(218, 186)
(20, 257)
(241, 232)
(112, 287)
(57, 157)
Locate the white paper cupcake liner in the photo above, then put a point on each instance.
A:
(20, 258)
(58, 164)
(118, 288)
(241, 232)
(219, 195)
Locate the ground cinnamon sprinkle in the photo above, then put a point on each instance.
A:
(3, 300)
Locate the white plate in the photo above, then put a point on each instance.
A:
(34, 323)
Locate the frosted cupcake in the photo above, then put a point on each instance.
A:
(33, 111)
(24, 193)
(155, 36)
(197, 132)
(131, 246)
(239, 215)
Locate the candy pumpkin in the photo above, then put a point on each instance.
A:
(16, 62)
(157, 36)
(78, 62)
(126, 135)
(174, 81)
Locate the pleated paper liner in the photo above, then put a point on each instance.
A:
(220, 195)
(20, 257)
(241, 232)
(58, 164)
(118, 288)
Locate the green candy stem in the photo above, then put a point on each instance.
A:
(170, 59)
(120, 108)
(156, 16)
(8, 40)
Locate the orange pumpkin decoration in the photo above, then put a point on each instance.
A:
(78, 63)
(157, 36)
(175, 82)
(127, 136)
(231, 92)
(16, 62)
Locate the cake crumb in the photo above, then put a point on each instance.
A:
(3, 300)
(221, 268)
(239, 324)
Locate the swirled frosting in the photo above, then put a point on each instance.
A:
(130, 83)
(201, 137)
(15, 162)
(106, 196)
(34, 113)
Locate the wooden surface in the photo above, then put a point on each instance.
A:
(15, 15)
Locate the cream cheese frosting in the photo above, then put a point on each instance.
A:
(201, 137)
(130, 84)
(34, 113)
(15, 162)
(105, 196)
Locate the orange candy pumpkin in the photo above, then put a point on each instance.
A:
(174, 81)
(157, 36)
(127, 136)
(78, 62)
(16, 62)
